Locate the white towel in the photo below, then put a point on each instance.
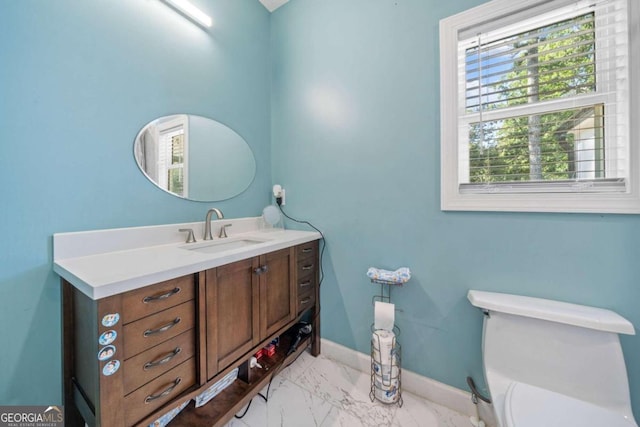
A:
(401, 275)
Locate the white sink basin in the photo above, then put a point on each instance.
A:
(221, 245)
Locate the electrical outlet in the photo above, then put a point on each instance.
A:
(283, 198)
(278, 193)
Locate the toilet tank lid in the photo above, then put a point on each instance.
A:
(555, 311)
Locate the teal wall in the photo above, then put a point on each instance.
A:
(78, 79)
(355, 142)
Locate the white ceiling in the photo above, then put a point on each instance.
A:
(272, 5)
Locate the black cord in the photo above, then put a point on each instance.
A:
(266, 398)
(259, 394)
(294, 360)
(324, 241)
(245, 411)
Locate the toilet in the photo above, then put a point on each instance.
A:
(553, 364)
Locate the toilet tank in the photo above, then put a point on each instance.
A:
(567, 348)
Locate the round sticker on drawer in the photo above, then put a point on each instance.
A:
(111, 367)
(106, 353)
(110, 319)
(107, 337)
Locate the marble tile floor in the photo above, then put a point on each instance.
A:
(320, 392)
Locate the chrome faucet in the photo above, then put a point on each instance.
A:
(190, 237)
(207, 222)
(223, 231)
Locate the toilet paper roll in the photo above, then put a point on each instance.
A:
(386, 373)
(377, 358)
(383, 342)
(384, 315)
(387, 393)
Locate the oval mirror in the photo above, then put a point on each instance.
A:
(194, 157)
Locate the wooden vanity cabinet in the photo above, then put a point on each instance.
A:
(127, 355)
(232, 304)
(307, 284)
(170, 341)
(277, 291)
(246, 302)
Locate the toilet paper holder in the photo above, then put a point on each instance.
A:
(386, 384)
(384, 296)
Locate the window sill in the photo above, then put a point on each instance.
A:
(625, 203)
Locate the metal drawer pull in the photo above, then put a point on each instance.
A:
(305, 301)
(162, 328)
(162, 361)
(261, 270)
(306, 250)
(165, 393)
(147, 300)
(307, 267)
(305, 284)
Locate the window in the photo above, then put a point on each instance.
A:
(535, 103)
(171, 165)
(172, 160)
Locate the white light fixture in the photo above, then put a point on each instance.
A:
(187, 8)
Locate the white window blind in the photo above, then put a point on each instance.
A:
(172, 164)
(537, 100)
(543, 102)
(171, 160)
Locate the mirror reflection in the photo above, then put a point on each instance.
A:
(194, 157)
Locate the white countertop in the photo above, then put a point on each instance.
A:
(102, 263)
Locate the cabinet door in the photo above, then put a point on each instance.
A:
(232, 313)
(277, 291)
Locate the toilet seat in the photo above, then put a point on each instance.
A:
(531, 406)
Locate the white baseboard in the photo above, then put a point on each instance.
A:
(427, 388)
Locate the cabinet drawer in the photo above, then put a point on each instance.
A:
(157, 328)
(306, 283)
(152, 299)
(306, 300)
(163, 389)
(307, 250)
(154, 362)
(307, 267)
